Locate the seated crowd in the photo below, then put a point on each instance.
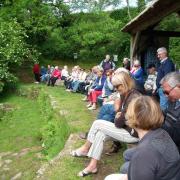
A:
(132, 110)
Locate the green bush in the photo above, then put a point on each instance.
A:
(13, 50)
(55, 132)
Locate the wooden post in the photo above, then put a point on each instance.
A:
(134, 45)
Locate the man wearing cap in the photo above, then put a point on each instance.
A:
(150, 83)
(166, 67)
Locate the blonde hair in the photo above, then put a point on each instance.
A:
(121, 69)
(144, 113)
(124, 79)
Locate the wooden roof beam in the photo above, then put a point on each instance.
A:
(161, 33)
(152, 15)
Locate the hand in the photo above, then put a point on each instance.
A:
(124, 177)
(118, 114)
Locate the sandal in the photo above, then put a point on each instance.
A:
(77, 153)
(114, 149)
(84, 173)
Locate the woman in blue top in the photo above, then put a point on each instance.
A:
(96, 90)
(137, 73)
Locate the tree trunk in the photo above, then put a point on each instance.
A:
(129, 14)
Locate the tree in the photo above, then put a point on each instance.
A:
(129, 14)
(92, 5)
(141, 5)
(13, 50)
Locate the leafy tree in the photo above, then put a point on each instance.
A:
(13, 50)
(93, 5)
(141, 5)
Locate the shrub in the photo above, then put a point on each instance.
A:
(13, 50)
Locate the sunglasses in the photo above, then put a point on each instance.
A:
(116, 86)
(168, 92)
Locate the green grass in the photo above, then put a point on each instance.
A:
(33, 122)
(20, 128)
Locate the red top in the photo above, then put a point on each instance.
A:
(36, 68)
(56, 73)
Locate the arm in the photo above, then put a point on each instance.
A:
(168, 67)
(113, 66)
(109, 84)
(99, 87)
(143, 165)
(138, 74)
(117, 104)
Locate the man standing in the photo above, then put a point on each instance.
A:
(171, 88)
(166, 67)
(107, 64)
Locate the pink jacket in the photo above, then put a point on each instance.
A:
(56, 73)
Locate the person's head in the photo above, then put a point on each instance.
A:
(136, 64)
(171, 85)
(56, 67)
(144, 113)
(95, 69)
(65, 67)
(162, 53)
(109, 73)
(49, 66)
(121, 69)
(108, 57)
(151, 68)
(125, 61)
(123, 82)
(100, 72)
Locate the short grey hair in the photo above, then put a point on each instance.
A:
(137, 62)
(162, 49)
(173, 79)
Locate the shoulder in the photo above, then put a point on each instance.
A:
(169, 62)
(164, 146)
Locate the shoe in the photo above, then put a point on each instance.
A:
(77, 153)
(84, 173)
(89, 105)
(83, 135)
(114, 149)
(92, 108)
(68, 90)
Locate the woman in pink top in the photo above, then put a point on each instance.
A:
(56, 74)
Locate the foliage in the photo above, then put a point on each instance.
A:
(93, 35)
(175, 51)
(55, 131)
(93, 5)
(171, 23)
(13, 50)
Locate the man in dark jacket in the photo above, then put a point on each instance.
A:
(171, 88)
(107, 64)
(166, 66)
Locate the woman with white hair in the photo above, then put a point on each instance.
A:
(64, 73)
(137, 73)
(56, 74)
(102, 130)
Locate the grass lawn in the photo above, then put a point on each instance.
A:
(20, 129)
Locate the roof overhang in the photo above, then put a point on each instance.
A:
(152, 15)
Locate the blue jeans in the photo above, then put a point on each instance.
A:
(163, 99)
(127, 157)
(107, 113)
(75, 85)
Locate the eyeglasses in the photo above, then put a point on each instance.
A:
(168, 92)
